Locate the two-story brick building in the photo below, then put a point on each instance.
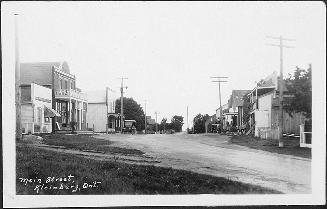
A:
(67, 100)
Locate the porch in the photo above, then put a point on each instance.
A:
(72, 107)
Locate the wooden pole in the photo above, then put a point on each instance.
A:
(17, 83)
(281, 86)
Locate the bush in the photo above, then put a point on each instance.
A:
(233, 129)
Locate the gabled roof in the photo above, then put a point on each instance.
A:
(236, 99)
(40, 72)
(269, 84)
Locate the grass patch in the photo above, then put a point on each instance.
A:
(115, 177)
(87, 142)
(291, 146)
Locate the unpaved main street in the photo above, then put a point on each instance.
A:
(214, 155)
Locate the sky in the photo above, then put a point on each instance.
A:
(169, 50)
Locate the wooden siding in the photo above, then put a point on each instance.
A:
(27, 113)
(97, 115)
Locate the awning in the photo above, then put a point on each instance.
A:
(49, 112)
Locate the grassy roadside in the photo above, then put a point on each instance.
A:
(35, 165)
(87, 142)
(291, 146)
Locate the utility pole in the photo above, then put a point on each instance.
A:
(219, 80)
(122, 103)
(281, 85)
(17, 83)
(156, 121)
(145, 123)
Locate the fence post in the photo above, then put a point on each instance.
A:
(93, 129)
(302, 139)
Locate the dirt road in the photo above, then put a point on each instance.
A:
(214, 155)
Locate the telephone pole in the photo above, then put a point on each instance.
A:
(219, 80)
(17, 83)
(145, 117)
(122, 103)
(281, 85)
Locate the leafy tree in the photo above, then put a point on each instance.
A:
(300, 86)
(132, 111)
(163, 125)
(199, 123)
(177, 123)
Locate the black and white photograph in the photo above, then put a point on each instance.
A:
(163, 103)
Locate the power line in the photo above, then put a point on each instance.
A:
(281, 46)
(219, 81)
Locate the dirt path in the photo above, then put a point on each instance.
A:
(131, 159)
(209, 155)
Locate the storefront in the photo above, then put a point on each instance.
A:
(36, 111)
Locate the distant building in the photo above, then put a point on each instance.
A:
(224, 109)
(68, 101)
(235, 104)
(233, 111)
(211, 124)
(101, 111)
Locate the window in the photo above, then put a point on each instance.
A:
(39, 115)
(66, 84)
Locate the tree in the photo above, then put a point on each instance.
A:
(177, 123)
(132, 111)
(299, 85)
(163, 125)
(199, 123)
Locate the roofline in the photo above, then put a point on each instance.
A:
(265, 87)
(56, 69)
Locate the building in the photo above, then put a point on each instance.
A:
(212, 124)
(233, 111)
(101, 115)
(36, 111)
(264, 100)
(224, 109)
(235, 114)
(68, 101)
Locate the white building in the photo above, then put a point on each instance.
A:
(36, 111)
(101, 111)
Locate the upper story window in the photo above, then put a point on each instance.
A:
(66, 84)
